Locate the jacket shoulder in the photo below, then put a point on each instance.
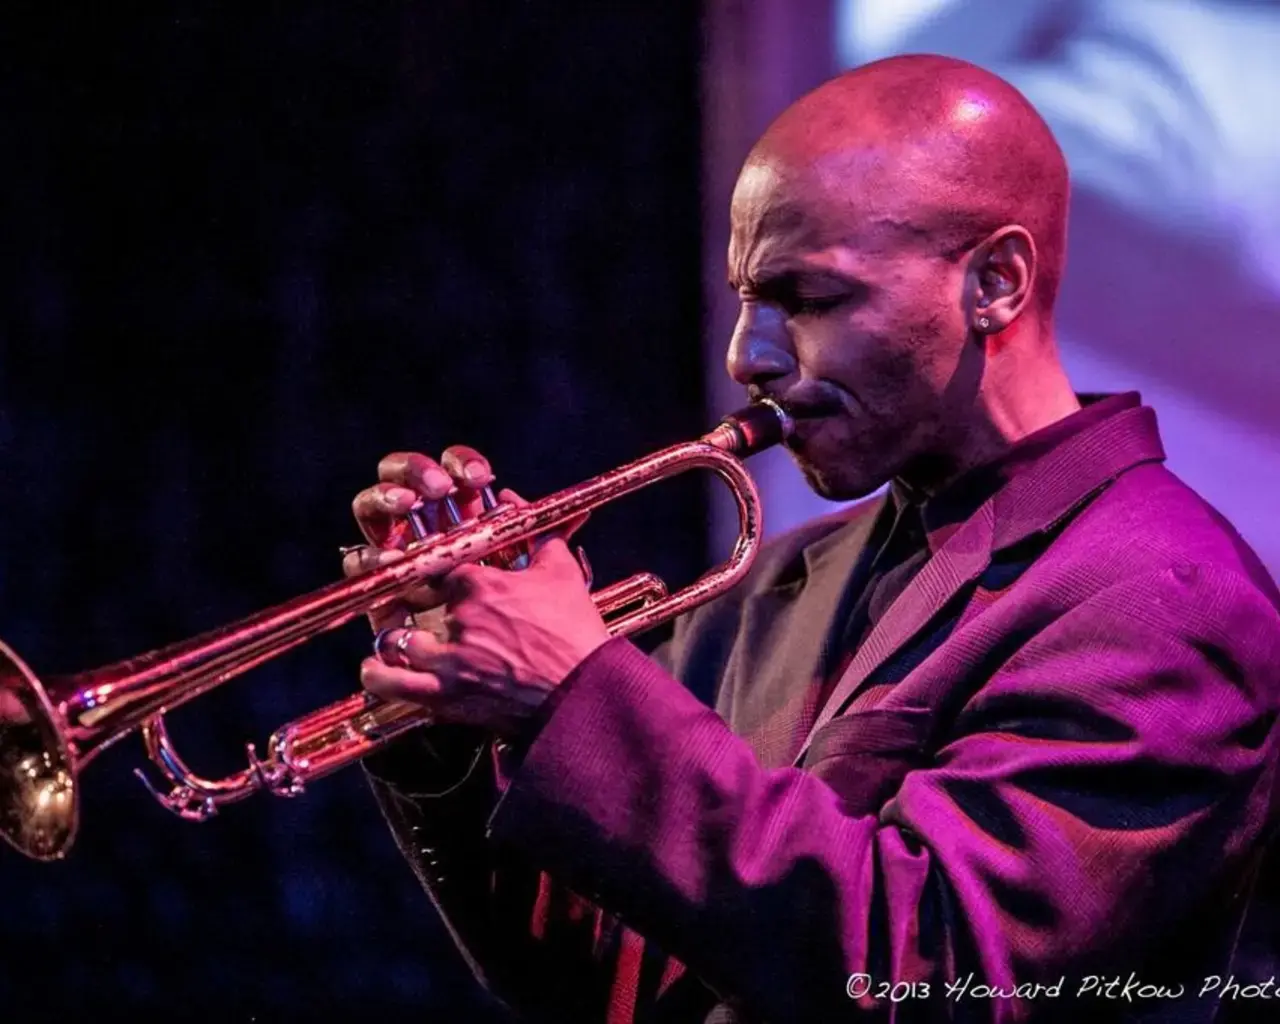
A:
(1151, 519)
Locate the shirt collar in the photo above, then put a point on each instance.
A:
(946, 511)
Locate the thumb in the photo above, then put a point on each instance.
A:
(552, 552)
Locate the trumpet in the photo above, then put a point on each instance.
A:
(50, 730)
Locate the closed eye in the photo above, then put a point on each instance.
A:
(802, 293)
(815, 306)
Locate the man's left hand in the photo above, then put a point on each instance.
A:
(510, 639)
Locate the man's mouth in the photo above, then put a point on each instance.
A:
(805, 407)
(810, 407)
(811, 410)
(808, 419)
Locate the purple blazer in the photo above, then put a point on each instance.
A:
(1053, 762)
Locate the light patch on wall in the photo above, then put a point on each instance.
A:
(876, 26)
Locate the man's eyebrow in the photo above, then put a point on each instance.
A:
(792, 274)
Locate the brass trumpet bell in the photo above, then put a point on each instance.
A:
(38, 807)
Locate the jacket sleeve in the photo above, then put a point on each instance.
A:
(1102, 784)
(531, 943)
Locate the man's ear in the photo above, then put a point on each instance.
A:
(1000, 280)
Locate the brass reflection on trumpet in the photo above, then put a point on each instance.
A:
(49, 731)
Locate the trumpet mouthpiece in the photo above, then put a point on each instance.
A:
(753, 428)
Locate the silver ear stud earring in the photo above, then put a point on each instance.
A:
(984, 322)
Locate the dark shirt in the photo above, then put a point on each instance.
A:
(913, 527)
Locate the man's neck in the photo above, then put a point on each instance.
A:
(1006, 409)
(1018, 399)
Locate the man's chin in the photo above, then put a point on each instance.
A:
(835, 486)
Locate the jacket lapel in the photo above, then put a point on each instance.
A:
(1034, 502)
(961, 561)
(784, 635)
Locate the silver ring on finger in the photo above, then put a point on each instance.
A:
(348, 549)
(402, 645)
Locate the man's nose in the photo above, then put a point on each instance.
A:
(760, 349)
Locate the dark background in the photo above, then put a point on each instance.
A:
(243, 257)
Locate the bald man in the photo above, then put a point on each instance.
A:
(999, 744)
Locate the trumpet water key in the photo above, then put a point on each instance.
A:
(51, 729)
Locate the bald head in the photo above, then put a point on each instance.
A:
(896, 240)
(925, 150)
